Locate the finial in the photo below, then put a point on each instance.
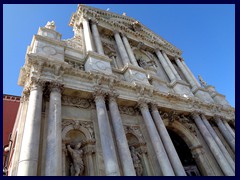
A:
(203, 83)
(50, 25)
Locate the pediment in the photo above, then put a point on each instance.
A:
(126, 24)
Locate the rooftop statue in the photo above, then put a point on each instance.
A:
(50, 25)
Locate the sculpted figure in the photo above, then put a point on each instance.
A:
(50, 25)
(77, 166)
(136, 161)
(203, 83)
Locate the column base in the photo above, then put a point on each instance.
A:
(202, 94)
(181, 88)
(135, 74)
(97, 63)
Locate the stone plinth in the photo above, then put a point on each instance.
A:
(98, 63)
(218, 98)
(202, 94)
(135, 74)
(158, 83)
(181, 88)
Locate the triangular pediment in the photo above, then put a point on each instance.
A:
(126, 24)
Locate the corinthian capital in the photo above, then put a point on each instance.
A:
(55, 86)
(36, 83)
(142, 104)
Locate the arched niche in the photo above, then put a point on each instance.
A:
(193, 144)
(73, 132)
(135, 139)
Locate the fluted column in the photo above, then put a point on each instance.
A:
(161, 154)
(219, 142)
(53, 163)
(165, 65)
(167, 142)
(107, 144)
(185, 72)
(129, 50)
(229, 128)
(226, 134)
(121, 48)
(28, 160)
(123, 149)
(87, 35)
(96, 37)
(191, 74)
(171, 66)
(226, 168)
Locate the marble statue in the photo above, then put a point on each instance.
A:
(136, 161)
(77, 167)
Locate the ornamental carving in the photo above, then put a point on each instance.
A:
(187, 123)
(76, 102)
(135, 130)
(78, 124)
(75, 43)
(127, 110)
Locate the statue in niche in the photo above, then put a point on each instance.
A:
(142, 63)
(203, 83)
(77, 167)
(136, 161)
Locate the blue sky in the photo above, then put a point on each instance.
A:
(205, 34)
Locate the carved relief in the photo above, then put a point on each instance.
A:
(75, 43)
(187, 123)
(136, 157)
(127, 110)
(135, 130)
(76, 102)
(49, 50)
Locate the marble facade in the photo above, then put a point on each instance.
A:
(117, 89)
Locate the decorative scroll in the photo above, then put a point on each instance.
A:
(76, 102)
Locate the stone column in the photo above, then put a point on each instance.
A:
(87, 35)
(28, 160)
(96, 37)
(190, 73)
(226, 134)
(123, 149)
(129, 50)
(107, 144)
(167, 142)
(229, 128)
(165, 65)
(226, 168)
(121, 48)
(161, 154)
(185, 72)
(219, 142)
(53, 163)
(171, 66)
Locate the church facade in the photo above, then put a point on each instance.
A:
(116, 100)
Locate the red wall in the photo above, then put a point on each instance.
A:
(10, 109)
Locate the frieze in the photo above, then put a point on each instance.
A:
(75, 43)
(127, 110)
(76, 102)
